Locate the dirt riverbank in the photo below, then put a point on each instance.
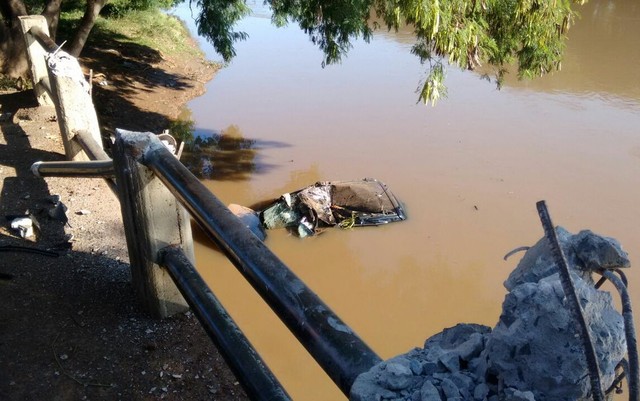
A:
(70, 325)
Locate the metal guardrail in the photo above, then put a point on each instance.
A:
(332, 343)
(256, 378)
(90, 169)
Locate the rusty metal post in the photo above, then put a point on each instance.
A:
(36, 54)
(153, 219)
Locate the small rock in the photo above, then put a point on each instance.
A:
(472, 347)
(429, 392)
(451, 361)
(59, 212)
(430, 368)
(54, 199)
(481, 391)
(517, 395)
(416, 367)
(462, 381)
(83, 212)
(397, 376)
(449, 389)
(24, 226)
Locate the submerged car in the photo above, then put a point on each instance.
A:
(346, 204)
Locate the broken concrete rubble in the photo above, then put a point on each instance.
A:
(585, 251)
(534, 353)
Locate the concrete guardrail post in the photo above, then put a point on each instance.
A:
(36, 55)
(153, 219)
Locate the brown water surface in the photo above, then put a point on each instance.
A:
(468, 172)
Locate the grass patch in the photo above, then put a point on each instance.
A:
(150, 28)
(7, 83)
(153, 29)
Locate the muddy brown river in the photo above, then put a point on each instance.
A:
(468, 172)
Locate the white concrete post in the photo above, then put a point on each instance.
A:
(36, 54)
(153, 219)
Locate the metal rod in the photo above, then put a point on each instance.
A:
(91, 169)
(616, 384)
(90, 147)
(95, 152)
(257, 380)
(572, 298)
(45, 41)
(336, 348)
(630, 334)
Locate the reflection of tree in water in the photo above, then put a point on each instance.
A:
(224, 156)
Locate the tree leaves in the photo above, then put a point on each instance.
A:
(463, 33)
(216, 20)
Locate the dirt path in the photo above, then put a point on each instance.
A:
(70, 326)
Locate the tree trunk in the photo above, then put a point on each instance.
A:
(88, 20)
(13, 56)
(12, 9)
(52, 13)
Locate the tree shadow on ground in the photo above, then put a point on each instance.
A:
(123, 72)
(23, 192)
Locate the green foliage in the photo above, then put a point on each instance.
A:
(119, 8)
(9, 83)
(182, 130)
(149, 28)
(331, 25)
(216, 21)
(434, 87)
(467, 34)
(463, 33)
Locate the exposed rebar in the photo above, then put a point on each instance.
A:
(617, 382)
(633, 374)
(572, 298)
